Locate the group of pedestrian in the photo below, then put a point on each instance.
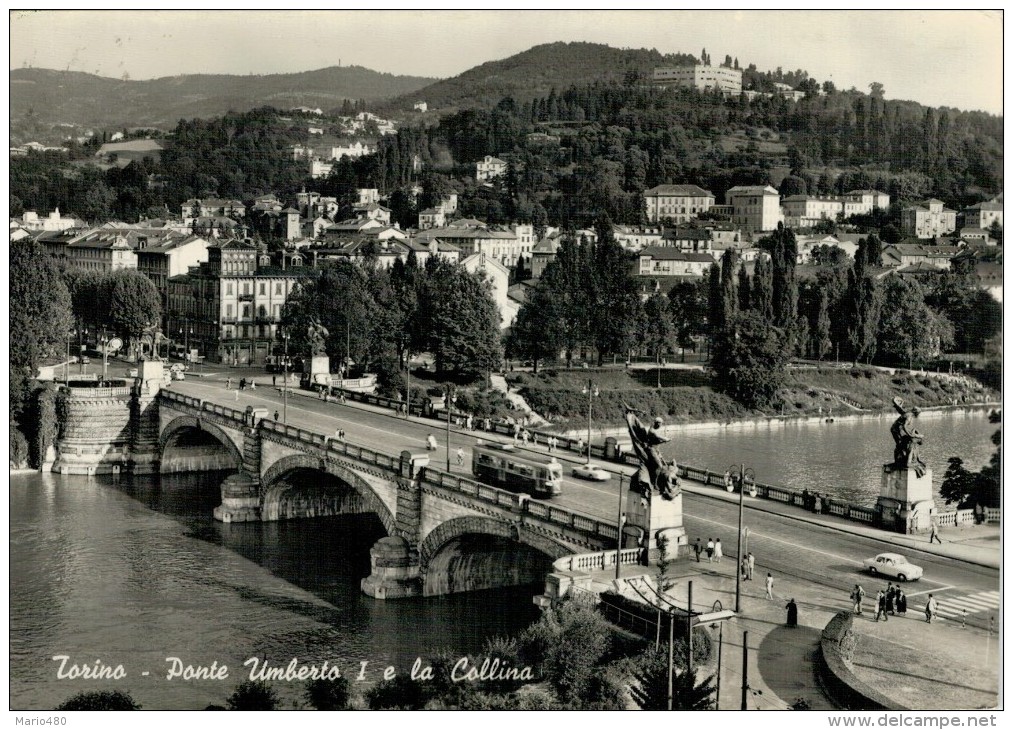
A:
(746, 566)
(553, 444)
(891, 602)
(813, 501)
(714, 550)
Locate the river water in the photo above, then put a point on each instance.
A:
(842, 459)
(130, 572)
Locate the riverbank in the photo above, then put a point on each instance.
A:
(689, 399)
(768, 422)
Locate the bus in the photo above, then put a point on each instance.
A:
(503, 466)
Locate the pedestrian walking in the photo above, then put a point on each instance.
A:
(881, 606)
(228, 383)
(460, 456)
(751, 563)
(697, 549)
(327, 395)
(770, 587)
(469, 423)
(744, 568)
(857, 595)
(889, 597)
(276, 414)
(901, 603)
(934, 534)
(792, 609)
(517, 432)
(580, 446)
(242, 383)
(931, 607)
(525, 437)
(718, 554)
(710, 549)
(274, 380)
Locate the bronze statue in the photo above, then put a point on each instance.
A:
(655, 473)
(317, 336)
(907, 439)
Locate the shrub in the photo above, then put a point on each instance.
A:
(108, 700)
(19, 448)
(328, 694)
(402, 692)
(253, 696)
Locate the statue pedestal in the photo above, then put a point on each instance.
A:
(905, 500)
(646, 522)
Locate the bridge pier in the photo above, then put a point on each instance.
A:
(395, 570)
(240, 499)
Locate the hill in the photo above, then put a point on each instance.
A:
(71, 97)
(537, 71)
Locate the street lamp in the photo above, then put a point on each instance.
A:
(451, 399)
(284, 391)
(66, 365)
(744, 476)
(82, 334)
(103, 340)
(592, 392)
(186, 332)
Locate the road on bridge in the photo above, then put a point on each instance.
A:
(787, 547)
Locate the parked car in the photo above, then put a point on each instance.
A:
(178, 375)
(589, 471)
(894, 565)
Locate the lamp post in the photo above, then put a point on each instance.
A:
(620, 521)
(744, 474)
(591, 392)
(66, 365)
(408, 394)
(103, 340)
(186, 331)
(451, 399)
(284, 386)
(80, 348)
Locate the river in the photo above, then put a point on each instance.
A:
(134, 571)
(842, 459)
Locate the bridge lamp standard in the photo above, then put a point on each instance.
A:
(744, 477)
(591, 391)
(104, 340)
(451, 400)
(284, 385)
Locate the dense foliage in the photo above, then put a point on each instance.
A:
(99, 700)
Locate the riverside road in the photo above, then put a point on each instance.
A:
(782, 545)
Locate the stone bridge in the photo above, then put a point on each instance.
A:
(445, 534)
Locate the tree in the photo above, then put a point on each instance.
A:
(613, 298)
(115, 700)
(688, 302)
(328, 694)
(909, 329)
(134, 304)
(651, 689)
(250, 695)
(567, 643)
(39, 317)
(534, 334)
(659, 331)
(749, 360)
(465, 334)
(762, 296)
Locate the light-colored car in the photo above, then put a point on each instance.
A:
(589, 471)
(894, 565)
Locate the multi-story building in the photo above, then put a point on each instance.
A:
(805, 211)
(727, 80)
(368, 195)
(161, 259)
(912, 254)
(489, 167)
(432, 218)
(31, 221)
(498, 243)
(634, 238)
(678, 203)
(928, 220)
(868, 201)
(688, 240)
(670, 261)
(230, 306)
(106, 248)
(498, 277)
(982, 215)
(755, 207)
(212, 207)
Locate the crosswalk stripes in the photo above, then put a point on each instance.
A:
(972, 603)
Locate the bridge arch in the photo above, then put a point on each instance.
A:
(473, 553)
(202, 434)
(360, 496)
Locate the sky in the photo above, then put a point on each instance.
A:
(938, 58)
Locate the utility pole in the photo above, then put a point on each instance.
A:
(721, 641)
(284, 400)
(745, 669)
(671, 651)
(689, 628)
